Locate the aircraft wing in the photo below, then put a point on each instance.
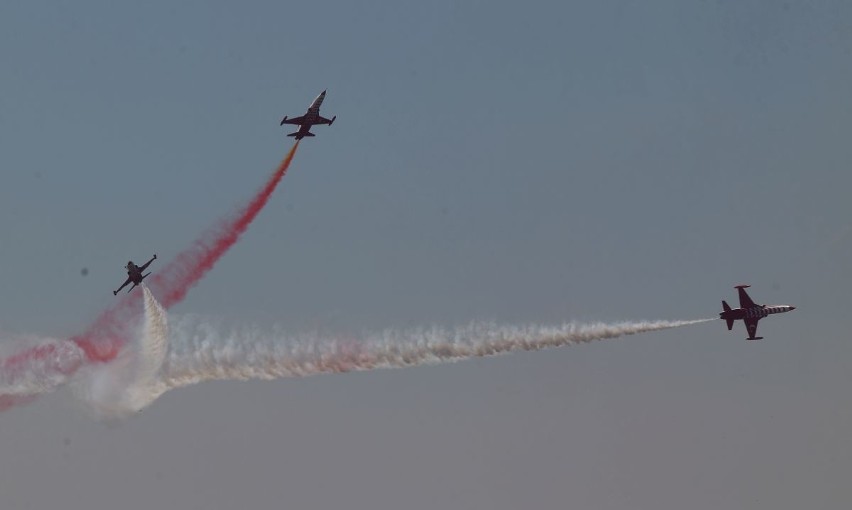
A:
(145, 265)
(751, 326)
(323, 120)
(295, 120)
(123, 285)
(745, 300)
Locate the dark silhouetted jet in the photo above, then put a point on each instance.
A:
(749, 312)
(134, 274)
(311, 118)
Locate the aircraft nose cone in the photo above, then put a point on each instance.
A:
(792, 308)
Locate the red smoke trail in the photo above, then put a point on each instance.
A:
(172, 283)
(104, 338)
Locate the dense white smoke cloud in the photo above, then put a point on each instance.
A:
(133, 379)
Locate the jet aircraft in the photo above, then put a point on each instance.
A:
(134, 274)
(311, 118)
(749, 312)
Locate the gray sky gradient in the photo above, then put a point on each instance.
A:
(490, 160)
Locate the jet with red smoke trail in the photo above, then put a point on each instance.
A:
(311, 118)
(103, 340)
(749, 312)
(134, 274)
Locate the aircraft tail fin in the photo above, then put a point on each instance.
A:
(727, 308)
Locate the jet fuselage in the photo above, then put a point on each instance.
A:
(749, 312)
(134, 273)
(756, 312)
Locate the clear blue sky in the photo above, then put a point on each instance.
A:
(541, 162)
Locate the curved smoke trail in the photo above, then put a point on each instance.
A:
(130, 381)
(46, 364)
(104, 337)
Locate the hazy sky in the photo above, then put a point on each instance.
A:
(523, 162)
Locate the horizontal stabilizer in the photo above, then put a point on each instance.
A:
(726, 307)
(755, 338)
(730, 324)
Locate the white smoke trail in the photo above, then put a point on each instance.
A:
(193, 350)
(199, 351)
(200, 354)
(131, 381)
